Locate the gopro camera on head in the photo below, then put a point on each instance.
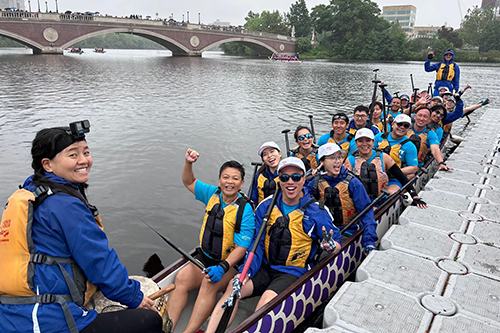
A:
(79, 128)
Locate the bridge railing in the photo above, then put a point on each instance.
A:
(73, 17)
(18, 14)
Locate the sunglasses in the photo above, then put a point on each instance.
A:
(339, 116)
(405, 125)
(305, 136)
(295, 177)
(441, 115)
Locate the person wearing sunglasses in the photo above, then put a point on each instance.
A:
(338, 134)
(438, 113)
(296, 228)
(226, 232)
(306, 149)
(344, 195)
(425, 139)
(374, 167)
(398, 146)
(266, 178)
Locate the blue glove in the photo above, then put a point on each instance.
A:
(367, 249)
(216, 272)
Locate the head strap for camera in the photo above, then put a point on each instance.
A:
(74, 133)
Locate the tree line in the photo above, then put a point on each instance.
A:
(354, 30)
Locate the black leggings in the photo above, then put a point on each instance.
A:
(126, 321)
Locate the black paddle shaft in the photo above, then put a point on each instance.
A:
(287, 143)
(382, 87)
(374, 98)
(363, 212)
(312, 127)
(256, 166)
(178, 249)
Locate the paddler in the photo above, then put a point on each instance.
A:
(266, 179)
(374, 167)
(398, 146)
(66, 248)
(360, 120)
(344, 195)
(225, 235)
(306, 149)
(338, 135)
(447, 72)
(427, 139)
(273, 269)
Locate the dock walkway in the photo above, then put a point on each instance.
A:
(439, 269)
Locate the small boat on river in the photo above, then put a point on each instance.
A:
(299, 301)
(285, 58)
(99, 50)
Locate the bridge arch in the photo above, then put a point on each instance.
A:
(37, 47)
(165, 41)
(254, 44)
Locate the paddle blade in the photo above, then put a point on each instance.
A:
(152, 266)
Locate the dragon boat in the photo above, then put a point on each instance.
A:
(304, 299)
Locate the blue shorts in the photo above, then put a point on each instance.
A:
(394, 181)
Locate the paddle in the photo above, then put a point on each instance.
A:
(312, 127)
(250, 190)
(230, 302)
(176, 248)
(287, 143)
(382, 87)
(374, 98)
(363, 212)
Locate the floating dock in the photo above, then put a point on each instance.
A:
(439, 269)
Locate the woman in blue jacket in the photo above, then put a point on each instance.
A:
(67, 229)
(447, 72)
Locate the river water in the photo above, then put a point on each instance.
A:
(146, 108)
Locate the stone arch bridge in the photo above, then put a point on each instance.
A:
(51, 33)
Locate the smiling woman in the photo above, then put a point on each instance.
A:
(65, 237)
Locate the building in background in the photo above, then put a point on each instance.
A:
(18, 4)
(404, 14)
(495, 4)
(426, 32)
(221, 24)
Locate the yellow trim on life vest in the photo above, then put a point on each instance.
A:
(443, 69)
(260, 186)
(348, 208)
(382, 179)
(301, 243)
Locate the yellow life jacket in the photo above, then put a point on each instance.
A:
(380, 126)
(17, 244)
(310, 161)
(420, 143)
(344, 145)
(446, 72)
(265, 186)
(392, 151)
(371, 174)
(337, 199)
(220, 225)
(286, 242)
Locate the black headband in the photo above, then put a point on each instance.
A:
(66, 140)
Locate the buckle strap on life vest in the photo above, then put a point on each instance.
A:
(62, 300)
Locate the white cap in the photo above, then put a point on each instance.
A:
(328, 149)
(446, 91)
(402, 118)
(292, 161)
(439, 98)
(364, 133)
(268, 144)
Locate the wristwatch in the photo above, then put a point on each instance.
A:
(442, 162)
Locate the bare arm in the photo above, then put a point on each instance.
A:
(439, 158)
(409, 170)
(188, 178)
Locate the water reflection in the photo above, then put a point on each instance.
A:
(146, 108)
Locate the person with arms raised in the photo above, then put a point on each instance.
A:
(227, 230)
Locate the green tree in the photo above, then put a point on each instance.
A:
(300, 19)
(322, 17)
(440, 45)
(303, 44)
(474, 23)
(490, 38)
(267, 21)
(450, 35)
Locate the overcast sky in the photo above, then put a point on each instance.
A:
(429, 12)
